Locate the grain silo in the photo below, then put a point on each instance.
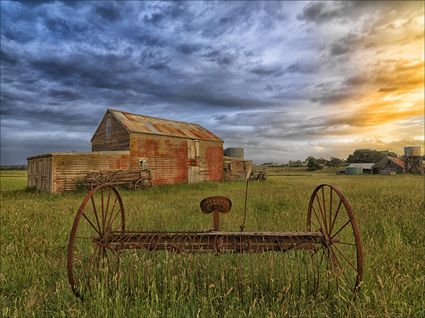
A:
(413, 159)
(234, 152)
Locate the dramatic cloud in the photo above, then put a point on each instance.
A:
(283, 79)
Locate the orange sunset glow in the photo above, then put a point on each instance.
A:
(284, 80)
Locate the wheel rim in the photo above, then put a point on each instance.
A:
(88, 260)
(341, 255)
(142, 184)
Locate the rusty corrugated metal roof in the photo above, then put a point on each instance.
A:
(136, 123)
(397, 161)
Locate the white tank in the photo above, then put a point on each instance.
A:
(414, 151)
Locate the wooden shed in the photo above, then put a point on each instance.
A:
(235, 169)
(174, 151)
(63, 171)
(389, 165)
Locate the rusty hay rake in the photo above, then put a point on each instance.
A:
(99, 237)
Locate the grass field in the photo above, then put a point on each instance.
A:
(389, 209)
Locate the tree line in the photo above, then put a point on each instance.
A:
(358, 156)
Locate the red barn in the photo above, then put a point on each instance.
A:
(174, 151)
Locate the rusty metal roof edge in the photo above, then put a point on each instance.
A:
(397, 161)
(69, 153)
(174, 136)
(112, 110)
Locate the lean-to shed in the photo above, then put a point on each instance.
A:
(174, 151)
(64, 171)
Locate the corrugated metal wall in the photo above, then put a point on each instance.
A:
(177, 160)
(63, 172)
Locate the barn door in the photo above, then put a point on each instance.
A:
(193, 174)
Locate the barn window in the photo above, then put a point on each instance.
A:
(196, 144)
(108, 129)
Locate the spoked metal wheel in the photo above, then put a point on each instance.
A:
(90, 262)
(103, 179)
(142, 184)
(341, 255)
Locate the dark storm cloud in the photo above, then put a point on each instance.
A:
(234, 67)
(108, 12)
(7, 58)
(189, 48)
(263, 70)
(319, 12)
(344, 45)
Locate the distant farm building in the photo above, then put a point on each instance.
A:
(173, 151)
(235, 166)
(359, 168)
(389, 165)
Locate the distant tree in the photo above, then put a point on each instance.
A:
(313, 164)
(322, 161)
(268, 164)
(368, 155)
(295, 163)
(335, 162)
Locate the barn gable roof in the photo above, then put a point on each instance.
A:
(385, 161)
(397, 161)
(135, 123)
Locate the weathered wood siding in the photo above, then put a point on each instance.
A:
(177, 160)
(40, 173)
(71, 170)
(60, 172)
(115, 139)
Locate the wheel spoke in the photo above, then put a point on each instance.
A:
(112, 213)
(334, 266)
(352, 266)
(103, 210)
(340, 266)
(340, 229)
(321, 213)
(324, 208)
(95, 212)
(315, 225)
(330, 208)
(90, 222)
(346, 243)
(335, 217)
(317, 217)
(107, 204)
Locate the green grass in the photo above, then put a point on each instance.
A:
(389, 210)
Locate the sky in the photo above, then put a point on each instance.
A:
(284, 80)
